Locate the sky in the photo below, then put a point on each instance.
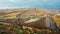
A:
(48, 4)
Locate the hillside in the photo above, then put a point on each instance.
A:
(22, 15)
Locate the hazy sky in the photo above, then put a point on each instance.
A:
(50, 4)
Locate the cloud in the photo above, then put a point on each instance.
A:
(30, 4)
(12, 0)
